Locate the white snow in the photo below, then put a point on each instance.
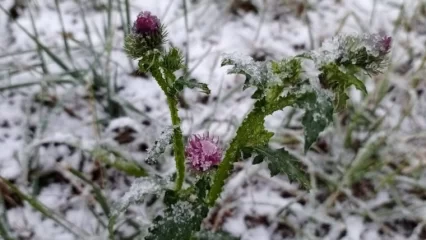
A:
(37, 138)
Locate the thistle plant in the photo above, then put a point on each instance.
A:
(316, 82)
(146, 44)
(147, 35)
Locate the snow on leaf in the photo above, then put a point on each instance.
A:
(140, 188)
(281, 161)
(180, 221)
(256, 73)
(160, 146)
(318, 115)
(112, 156)
(287, 70)
(332, 77)
(367, 51)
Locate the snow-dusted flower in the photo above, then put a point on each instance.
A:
(384, 44)
(367, 51)
(203, 152)
(146, 24)
(147, 35)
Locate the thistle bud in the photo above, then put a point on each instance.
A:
(146, 24)
(203, 152)
(383, 44)
(147, 35)
(368, 51)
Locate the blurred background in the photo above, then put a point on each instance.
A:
(66, 88)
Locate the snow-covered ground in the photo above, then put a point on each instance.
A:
(367, 170)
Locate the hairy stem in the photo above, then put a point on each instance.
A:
(178, 145)
(224, 169)
(251, 133)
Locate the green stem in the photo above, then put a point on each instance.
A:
(251, 123)
(224, 169)
(178, 145)
(250, 133)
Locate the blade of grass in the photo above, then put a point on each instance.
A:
(96, 215)
(127, 4)
(86, 26)
(185, 12)
(4, 233)
(308, 24)
(37, 205)
(39, 50)
(97, 191)
(108, 27)
(36, 82)
(112, 107)
(54, 57)
(64, 35)
(126, 26)
(13, 71)
(120, 163)
(91, 47)
(130, 107)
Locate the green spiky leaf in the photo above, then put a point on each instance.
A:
(287, 70)
(282, 162)
(181, 83)
(140, 188)
(170, 197)
(318, 115)
(202, 187)
(333, 78)
(180, 221)
(258, 159)
(173, 60)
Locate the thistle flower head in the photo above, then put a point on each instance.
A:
(384, 44)
(366, 51)
(147, 35)
(146, 24)
(203, 152)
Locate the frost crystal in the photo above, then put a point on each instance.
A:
(160, 146)
(368, 51)
(203, 152)
(139, 189)
(255, 72)
(181, 209)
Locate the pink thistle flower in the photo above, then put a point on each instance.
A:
(147, 34)
(146, 24)
(203, 152)
(380, 43)
(384, 44)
